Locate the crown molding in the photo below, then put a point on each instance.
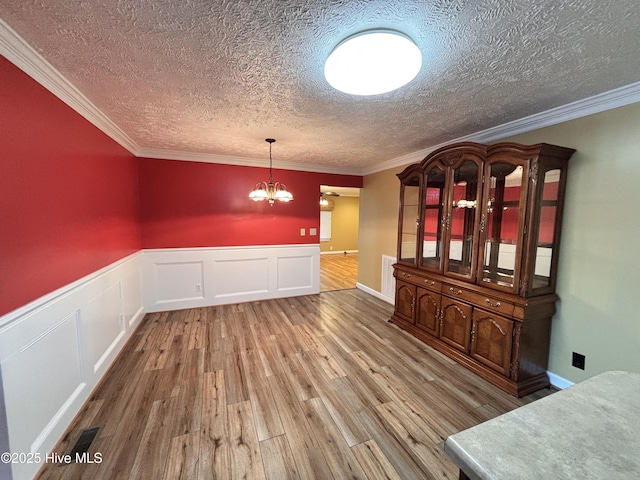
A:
(25, 57)
(242, 161)
(618, 97)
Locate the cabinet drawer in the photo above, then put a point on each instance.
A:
(485, 302)
(419, 280)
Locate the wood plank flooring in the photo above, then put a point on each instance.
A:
(338, 271)
(319, 386)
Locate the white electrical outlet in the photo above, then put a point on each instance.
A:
(303, 232)
(312, 232)
(198, 287)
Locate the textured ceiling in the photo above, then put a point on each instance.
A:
(218, 77)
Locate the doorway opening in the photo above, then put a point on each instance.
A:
(339, 219)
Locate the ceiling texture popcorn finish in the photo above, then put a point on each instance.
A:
(214, 78)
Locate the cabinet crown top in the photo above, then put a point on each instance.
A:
(450, 154)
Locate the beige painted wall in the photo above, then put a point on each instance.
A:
(599, 275)
(344, 225)
(379, 199)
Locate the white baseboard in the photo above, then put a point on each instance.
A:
(55, 350)
(559, 382)
(338, 252)
(178, 278)
(375, 293)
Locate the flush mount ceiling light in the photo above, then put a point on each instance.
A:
(373, 62)
(270, 191)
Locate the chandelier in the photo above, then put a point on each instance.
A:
(270, 191)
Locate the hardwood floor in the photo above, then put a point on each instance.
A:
(319, 386)
(338, 271)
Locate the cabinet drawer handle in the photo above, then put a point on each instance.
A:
(455, 292)
(497, 304)
(430, 283)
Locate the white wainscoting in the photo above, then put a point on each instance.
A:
(54, 351)
(178, 278)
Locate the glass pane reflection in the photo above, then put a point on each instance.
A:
(546, 229)
(409, 240)
(502, 223)
(463, 216)
(432, 235)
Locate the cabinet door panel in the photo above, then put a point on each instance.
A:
(427, 317)
(502, 223)
(405, 300)
(461, 219)
(456, 324)
(409, 221)
(433, 211)
(492, 340)
(545, 230)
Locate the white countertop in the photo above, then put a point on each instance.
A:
(588, 431)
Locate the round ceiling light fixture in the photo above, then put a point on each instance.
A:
(373, 62)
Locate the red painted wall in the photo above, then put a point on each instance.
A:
(68, 193)
(73, 201)
(191, 204)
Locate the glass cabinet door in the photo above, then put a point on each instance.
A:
(410, 210)
(501, 223)
(434, 210)
(546, 237)
(460, 221)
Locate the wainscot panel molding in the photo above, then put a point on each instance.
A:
(55, 350)
(178, 278)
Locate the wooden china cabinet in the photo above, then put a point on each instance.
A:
(478, 237)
